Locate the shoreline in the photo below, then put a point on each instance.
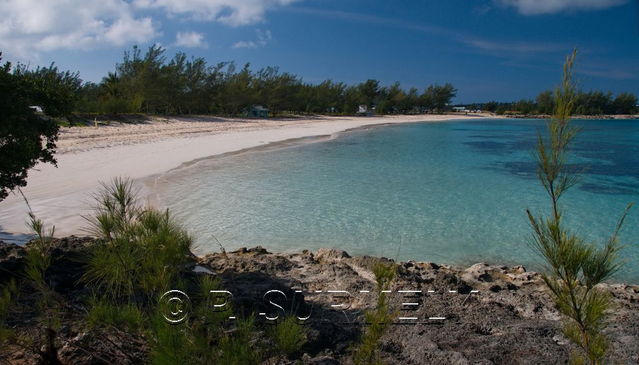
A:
(576, 117)
(462, 313)
(89, 155)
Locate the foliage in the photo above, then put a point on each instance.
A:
(545, 102)
(438, 97)
(584, 103)
(170, 344)
(141, 250)
(574, 266)
(490, 106)
(193, 341)
(27, 137)
(188, 344)
(139, 256)
(378, 319)
(8, 294)
(38, 261)
(104, 313)
(149, 83)
(625, 103)
(53, 90)
(38, 253)
(236, 348)
(288, 335)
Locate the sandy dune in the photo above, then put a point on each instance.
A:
(88, 155)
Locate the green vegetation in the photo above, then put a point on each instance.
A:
(378, 319)
(38, 261)
(237, 348)
(28, 137)
(584, 103)
(574, 267)
(8, 293)
(141, 249)
(148, 83)
(103, 313)
(139, 255)
(288, 335)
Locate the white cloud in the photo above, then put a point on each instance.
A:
(31, 26)
(263, 38)
(190, 40)
(28, 27)
(537, 7)
(230, 12)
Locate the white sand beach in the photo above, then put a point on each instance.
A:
(88, 155)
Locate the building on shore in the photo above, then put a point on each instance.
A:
(257, 111)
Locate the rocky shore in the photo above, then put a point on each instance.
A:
(483, 314)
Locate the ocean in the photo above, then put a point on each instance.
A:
(452, 192)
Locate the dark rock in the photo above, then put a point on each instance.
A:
(464, 288)
(12, 260)
(258, 250)
(68, 262)
(485, 277)
(495, 288)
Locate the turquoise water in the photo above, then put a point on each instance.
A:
(453, 192)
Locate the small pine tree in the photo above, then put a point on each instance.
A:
(379, 319)
(574, 267)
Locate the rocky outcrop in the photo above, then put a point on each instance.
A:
(493, 314)
(483, 314)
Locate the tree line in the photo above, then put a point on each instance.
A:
(586, 103)
(151, 83)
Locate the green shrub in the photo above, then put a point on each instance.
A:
(141, 250)
(288, 335)
(209, 319)
(384, 274)
(38, 257)
(171, 344)
(124, 317)
(238, 348)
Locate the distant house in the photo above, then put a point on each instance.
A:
(363, 110)
(460, 109)
(258, 111)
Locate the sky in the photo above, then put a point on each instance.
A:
(501, 50)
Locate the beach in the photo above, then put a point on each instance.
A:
(86, 156)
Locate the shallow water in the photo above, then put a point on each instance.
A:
(452, 192)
